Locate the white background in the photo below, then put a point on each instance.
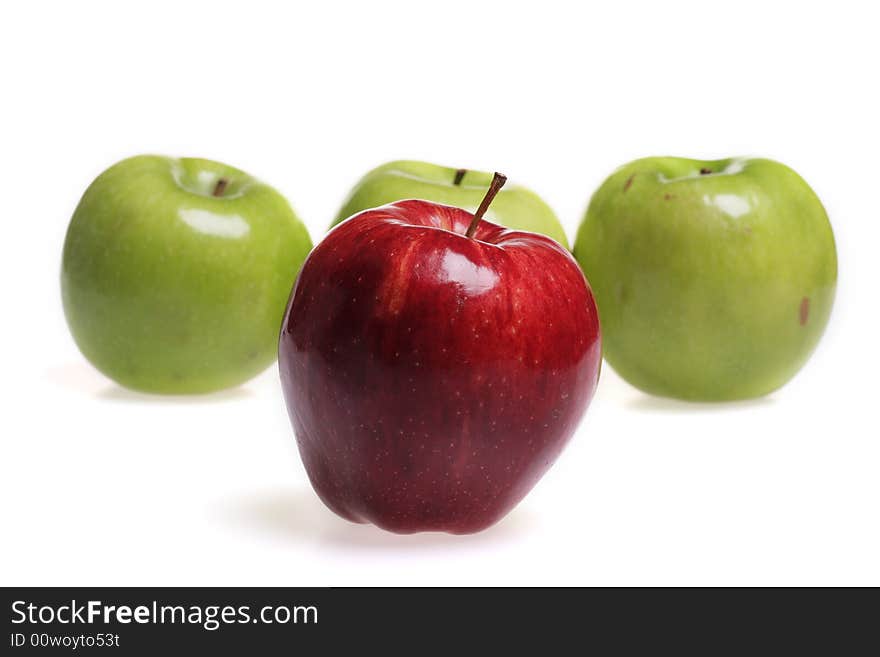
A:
(99, 485)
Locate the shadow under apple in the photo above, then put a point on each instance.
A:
(615, 391)
(115, 392)
(83, 379)
(299, 515)
(651, 403)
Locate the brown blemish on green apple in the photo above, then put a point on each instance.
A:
(804, 310)
(628, 183)
(220, 187)
(459, 175)
(667, 197)
(705, 171)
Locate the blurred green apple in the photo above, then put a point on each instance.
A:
(714, 279)
(176, 272)
(514, 207)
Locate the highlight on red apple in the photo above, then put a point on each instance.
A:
(435, 364)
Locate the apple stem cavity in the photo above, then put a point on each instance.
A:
(495, 186)
(459, 175)
(220, 187)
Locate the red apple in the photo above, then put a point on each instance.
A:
(434, 365)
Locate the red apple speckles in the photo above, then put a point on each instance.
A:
(431, 379)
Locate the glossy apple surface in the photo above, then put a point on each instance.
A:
(432, 378)
(514, 206)
(176, 272)
(714, 279)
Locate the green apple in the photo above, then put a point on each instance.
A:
(714, 279)
(176, 273)
(514, 206)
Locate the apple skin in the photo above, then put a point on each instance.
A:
(169, 289)
(431, 378)
(711, 286)
(514, 206)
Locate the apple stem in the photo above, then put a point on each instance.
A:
(458, 177)
(220, 187)
(495, 186)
